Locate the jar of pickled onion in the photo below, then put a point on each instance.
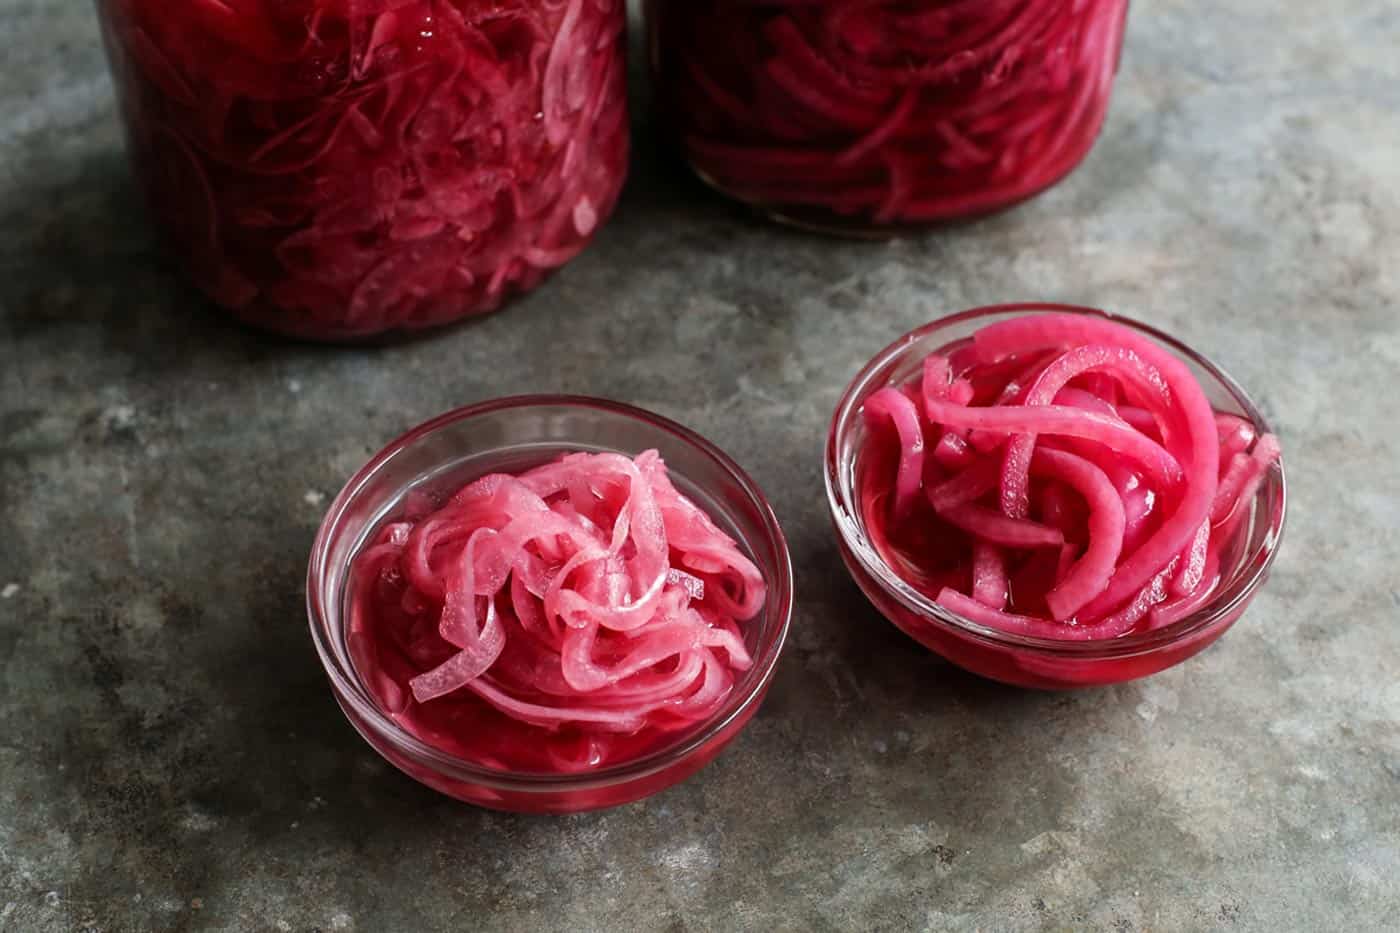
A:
(336, 169)
(872, 116)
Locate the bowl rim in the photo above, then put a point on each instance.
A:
(1252, 571)
(350, 690)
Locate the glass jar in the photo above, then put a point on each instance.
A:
(872, 116)
(1032, 660)
(335, 169)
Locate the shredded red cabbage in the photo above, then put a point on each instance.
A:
(574, 616)
(339, 168)
(885, 112)
(1072, 519)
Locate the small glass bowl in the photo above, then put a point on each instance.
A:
(1021, 659)
(439, 457)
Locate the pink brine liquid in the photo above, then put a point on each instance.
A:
(558, 619)
(339, 168)
(884, 114)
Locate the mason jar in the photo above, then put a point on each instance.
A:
(873, 116)
(336, 169)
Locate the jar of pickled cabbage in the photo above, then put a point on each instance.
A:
(335, 169)
(872, 116)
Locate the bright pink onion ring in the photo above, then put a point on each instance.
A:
(900, 410)
(1090, 574)
(1123, 364)
(1065, 420)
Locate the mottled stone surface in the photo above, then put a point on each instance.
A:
(170, 756)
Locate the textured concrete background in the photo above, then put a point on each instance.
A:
(171, 758)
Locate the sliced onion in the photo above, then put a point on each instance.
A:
(1107, 504)
(585, 608)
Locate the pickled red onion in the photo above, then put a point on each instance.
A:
(900, 411)
(583, 601)
(1095, 441)
(884, 112)
(338, 168)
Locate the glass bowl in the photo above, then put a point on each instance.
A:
(439, 457)
(1020, 659)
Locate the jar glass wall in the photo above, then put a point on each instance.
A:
(871, 116)
(336, 169)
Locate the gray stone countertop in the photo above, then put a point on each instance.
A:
(171, 757)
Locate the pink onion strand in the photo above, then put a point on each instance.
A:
(583, 601)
